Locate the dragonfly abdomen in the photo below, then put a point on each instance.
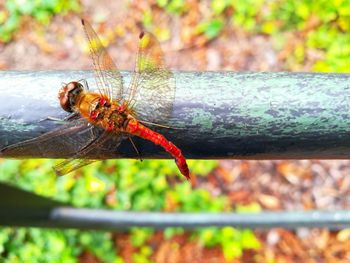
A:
(137, 129)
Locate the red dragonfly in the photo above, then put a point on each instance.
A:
(118, 111)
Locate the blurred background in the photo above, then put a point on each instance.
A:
(255, 35)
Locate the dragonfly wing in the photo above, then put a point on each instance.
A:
(70, 165)
(67, 138)
(76, 161)
(153, 85)
(108, 78)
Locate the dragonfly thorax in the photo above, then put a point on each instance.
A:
(100, 111)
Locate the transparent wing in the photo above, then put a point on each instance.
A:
(71, 165)
(75, 162)
(152, 87)
(108, 78)
(67, 138)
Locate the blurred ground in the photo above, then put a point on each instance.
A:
(275, 185)
(60, 45)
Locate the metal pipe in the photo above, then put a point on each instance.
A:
(22, 208)
(221, 115)
(68, 217)
(109, 220)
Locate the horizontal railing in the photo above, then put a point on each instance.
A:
(217, 115)
(21, 208)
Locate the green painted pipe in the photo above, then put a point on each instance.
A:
(217, 115)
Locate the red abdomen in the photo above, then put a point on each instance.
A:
(137, 129)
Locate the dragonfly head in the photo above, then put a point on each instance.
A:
(68, 95)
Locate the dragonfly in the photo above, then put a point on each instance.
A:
(113, 112)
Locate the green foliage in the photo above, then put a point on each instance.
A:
(324, 25)
(198, 200)
(34, 245)
(98, 243)
(318, 26)
(41, 10)
(147, 18)
(42, 245)
(304, 27)
(116, 184)
(140, 236)
(251, 208)
(202, 168)
(143, 256)
(211, 28)
(173, 6)
(246, 12)
(232, 241)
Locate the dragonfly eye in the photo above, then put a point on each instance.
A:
(68, 95)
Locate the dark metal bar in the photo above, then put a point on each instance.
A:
(22, 208)
(19, 207)
(221, 114)
(110, 220)
(14, 198)
(68, 217)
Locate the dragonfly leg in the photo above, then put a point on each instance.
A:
(72, 116)
(49, 118)
(135, 148)
(68, 118)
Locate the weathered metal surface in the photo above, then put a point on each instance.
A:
(217, 114)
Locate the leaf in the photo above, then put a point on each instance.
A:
(218, 6)
(162, 3)
(249, 240)
(214, 28)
